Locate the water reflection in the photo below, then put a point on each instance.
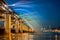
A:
(19, 36)
(48, 36)
(28, 36)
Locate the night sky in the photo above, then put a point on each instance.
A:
(37, 12)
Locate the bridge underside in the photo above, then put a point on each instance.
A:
(12, 27)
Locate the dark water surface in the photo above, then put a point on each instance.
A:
(47, 36)
(28, 36)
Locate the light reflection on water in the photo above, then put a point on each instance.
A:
(43, 36)
(47, 36)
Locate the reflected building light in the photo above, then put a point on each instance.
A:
(31, 37)
(56, 30)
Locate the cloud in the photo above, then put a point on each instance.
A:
(22, 10)
(12, 5)
(23, 4)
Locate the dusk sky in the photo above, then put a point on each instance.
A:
(37, 12)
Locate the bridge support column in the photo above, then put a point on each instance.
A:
(16, 28)
(18, 31)
(8, 25)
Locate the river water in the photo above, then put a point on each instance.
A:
(47, 36)
(29, 36)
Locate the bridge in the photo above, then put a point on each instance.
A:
(11, 25)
